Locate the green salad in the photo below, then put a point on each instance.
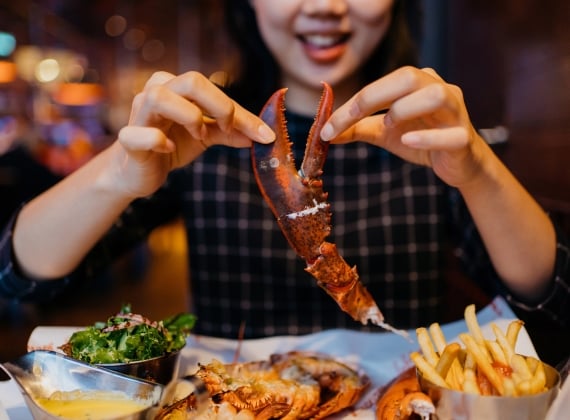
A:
(128, 337)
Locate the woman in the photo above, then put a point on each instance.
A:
(401, 184)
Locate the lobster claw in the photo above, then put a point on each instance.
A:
(296, 198)
(299, 204)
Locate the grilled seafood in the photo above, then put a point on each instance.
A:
(402, 398)
(300, 205)
(294, 385)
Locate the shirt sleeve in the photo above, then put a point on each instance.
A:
(555, 305)
(131, 229)
(13, 284)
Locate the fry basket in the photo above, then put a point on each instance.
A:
(458, 405)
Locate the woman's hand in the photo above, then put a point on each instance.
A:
(426, 123)
(173, 120)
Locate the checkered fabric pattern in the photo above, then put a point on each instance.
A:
(390, 218)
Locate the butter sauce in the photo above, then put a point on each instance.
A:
(92, 405)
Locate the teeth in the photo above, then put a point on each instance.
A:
(322, 41)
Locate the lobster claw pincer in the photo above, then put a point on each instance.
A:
(295, 197)
(297, 200)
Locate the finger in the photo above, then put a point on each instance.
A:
(375, 97)
(197, 88)
(144, 139)
(432, 73)
(434, 100)
(453, 138)
(158, 106)
(216, 105)
(252, 126)
(234, 138)
(158, 78)
(369, 129)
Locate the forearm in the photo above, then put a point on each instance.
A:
(517, 233)
(56, 230)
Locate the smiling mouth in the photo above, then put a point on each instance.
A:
(320, 41)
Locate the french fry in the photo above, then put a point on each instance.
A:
(482, 361)
(518, 363)
(517, 379)
(469, 362)
(426, 346)
(470, 383)
(475, 329)
(437, 336)
(455, 376)
(456, 371)
(535, 384)
(509, 386)
(503, 342)
(521, 374)
(448, 356)
(427, 370)
(496, 351)
(513, 332)
(524, 387)
(483, 366)
(538, 379)
(532, 364)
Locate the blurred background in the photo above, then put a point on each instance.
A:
(70, 68)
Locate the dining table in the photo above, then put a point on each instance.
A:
(379, 355)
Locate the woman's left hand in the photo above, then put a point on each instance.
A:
(426, 123)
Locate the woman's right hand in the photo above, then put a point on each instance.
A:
(174, 120)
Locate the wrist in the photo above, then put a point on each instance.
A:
(486, 171)
(108, 174)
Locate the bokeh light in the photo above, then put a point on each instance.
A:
(115, 25)
(7, 44)
(134, 39)
(47, 70)
(153, 50)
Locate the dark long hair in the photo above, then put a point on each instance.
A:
(256, 75)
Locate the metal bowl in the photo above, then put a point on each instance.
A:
(40, 373)
(160, 369)
(459, 405)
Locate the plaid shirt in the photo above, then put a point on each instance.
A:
(390, 218)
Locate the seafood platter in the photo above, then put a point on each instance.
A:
(359, 375)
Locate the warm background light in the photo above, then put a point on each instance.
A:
(7, 72)
(78, 94)
(47, 70)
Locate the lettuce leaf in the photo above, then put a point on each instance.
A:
(128, 337)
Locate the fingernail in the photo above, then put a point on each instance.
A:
(411, 139)
(327, 132)
(388, 122)
(266, 134)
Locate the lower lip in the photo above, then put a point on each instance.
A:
(324, 55)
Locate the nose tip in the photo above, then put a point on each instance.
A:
(325, 7)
